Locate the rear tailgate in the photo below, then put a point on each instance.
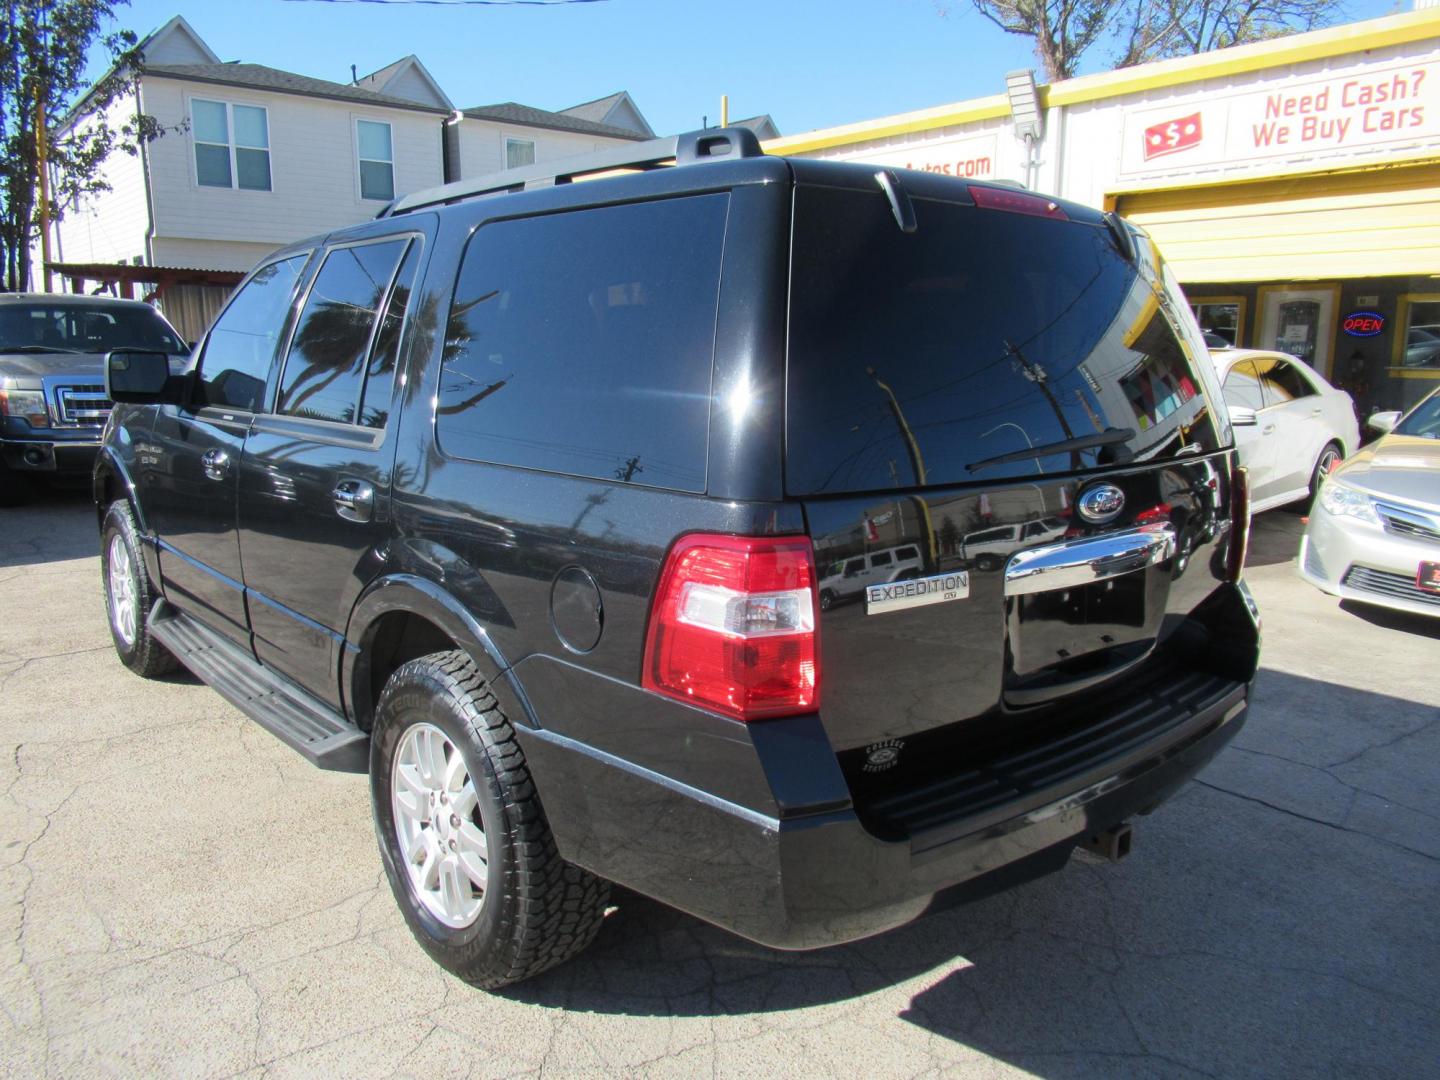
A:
(964, 389)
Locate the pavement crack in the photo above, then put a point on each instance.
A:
(1317, 821)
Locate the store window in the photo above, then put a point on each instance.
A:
(1221, 318)
(1419, 345)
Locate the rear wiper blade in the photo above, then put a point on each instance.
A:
(900, 205)
(1109, 437)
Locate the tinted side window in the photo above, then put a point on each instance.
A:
(1284, 383)
(242, 341)
(882, 559)
(326, 365)
(380, 379)
(907, 553)
(1242, 386)
(582, 342)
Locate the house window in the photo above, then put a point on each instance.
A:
(519, 153)
(232, 145)
(377, 160)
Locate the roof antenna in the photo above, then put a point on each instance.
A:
(354, 78)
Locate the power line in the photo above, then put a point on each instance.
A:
(455, 3)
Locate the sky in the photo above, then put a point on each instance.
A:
(808, 63)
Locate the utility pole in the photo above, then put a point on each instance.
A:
(42, 155)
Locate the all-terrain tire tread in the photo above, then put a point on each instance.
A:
(559, 907)
(148, 659)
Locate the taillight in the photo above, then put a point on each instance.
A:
(733, 626)
(1239, 523)
(1017, 202)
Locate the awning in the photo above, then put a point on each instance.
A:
(1376, 222)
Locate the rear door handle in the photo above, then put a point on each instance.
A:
(1267, 429)
(1072, 563)
(354, 500)
(216, 463)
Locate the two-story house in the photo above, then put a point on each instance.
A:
(253, 158)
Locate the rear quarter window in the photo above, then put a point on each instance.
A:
(583, 342)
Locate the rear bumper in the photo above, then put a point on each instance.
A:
(71, 454)
(805, 880)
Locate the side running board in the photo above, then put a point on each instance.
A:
(272, 701)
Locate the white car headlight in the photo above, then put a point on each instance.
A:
(1344, 501)
(27, 404)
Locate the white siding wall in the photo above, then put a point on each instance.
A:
(412, 87)
(208, 254)
(313, 168)
(482, 145)
(109, 227)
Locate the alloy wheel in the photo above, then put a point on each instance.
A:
(124, 610)
(438, 825)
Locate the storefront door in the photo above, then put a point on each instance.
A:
(1300, 322)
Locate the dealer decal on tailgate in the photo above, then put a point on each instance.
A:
(907, 594)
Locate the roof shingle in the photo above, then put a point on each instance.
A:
(259, 77)
(510, 112)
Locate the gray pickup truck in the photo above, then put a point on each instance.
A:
(52, 380)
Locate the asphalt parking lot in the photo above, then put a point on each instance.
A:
(182, 895)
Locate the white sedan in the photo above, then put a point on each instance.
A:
(1291, 426)
(1375, 535)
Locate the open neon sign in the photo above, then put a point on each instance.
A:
(1363, 324)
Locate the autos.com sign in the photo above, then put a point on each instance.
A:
(1322, 117)
(970, 157)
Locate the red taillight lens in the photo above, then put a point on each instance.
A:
(733, 626)
(1239, 523)
(1017, 202)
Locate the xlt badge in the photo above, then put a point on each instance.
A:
(917, 592)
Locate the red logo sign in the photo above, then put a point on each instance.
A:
(1172, 136)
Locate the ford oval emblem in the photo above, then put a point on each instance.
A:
(1100, 503)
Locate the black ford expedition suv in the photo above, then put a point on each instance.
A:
(515, 497)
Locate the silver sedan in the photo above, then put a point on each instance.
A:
(1374, 532)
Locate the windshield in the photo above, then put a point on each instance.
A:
(84, 328)
(1423, 421)
(984, 345)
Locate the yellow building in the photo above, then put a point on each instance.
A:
(1294, 185)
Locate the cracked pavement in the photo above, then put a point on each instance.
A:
(182, 895)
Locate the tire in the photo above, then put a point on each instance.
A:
(16, 488)
(827, 599)
(534, 910)
(129, 594)
(987, 563)
(1329, 457)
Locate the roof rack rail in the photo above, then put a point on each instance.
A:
(710, 144)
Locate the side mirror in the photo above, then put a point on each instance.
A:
(138, 376)
(1383, 421)
(1242, 416)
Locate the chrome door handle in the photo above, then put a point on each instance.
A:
(1267, 429)
(216, 464)
(1072, 563)
(354, 500)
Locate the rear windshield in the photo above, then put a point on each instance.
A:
(985, 345)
